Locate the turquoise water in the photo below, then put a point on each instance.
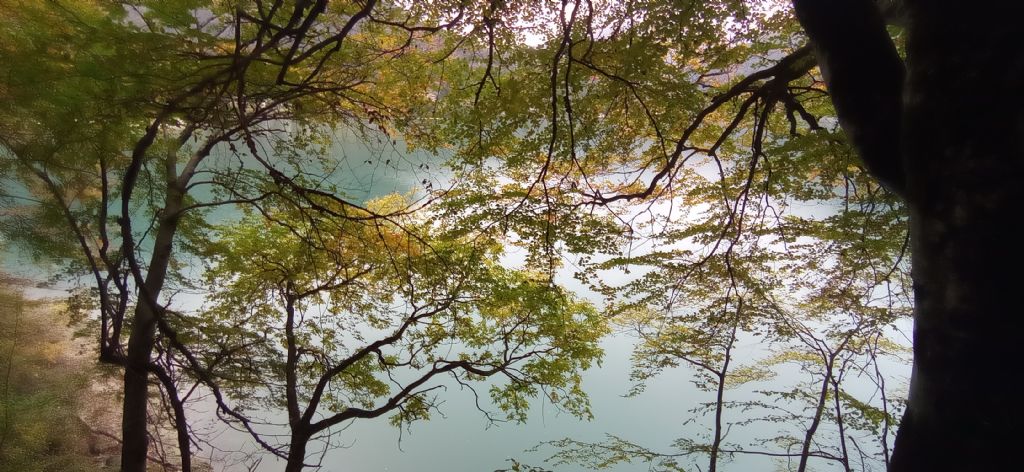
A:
(460, 439)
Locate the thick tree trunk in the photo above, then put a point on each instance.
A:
(297, 451)
(135, 441)
(963, 146)
(961, 143)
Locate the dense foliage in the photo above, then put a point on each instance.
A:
(158, 146)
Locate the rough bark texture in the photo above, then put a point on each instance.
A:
(961, 143)
(964, 147)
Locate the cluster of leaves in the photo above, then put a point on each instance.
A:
(125, 123)
(705, 130)
(691, 140)
(355, 318)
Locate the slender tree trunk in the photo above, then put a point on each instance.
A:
(964, 150)
(819, 410)
(883, 439)
(716, 445)
(140, 343)
(181, 427)
(837, 403)
(299, 428)
(180, 423)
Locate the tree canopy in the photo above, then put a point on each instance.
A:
(721, 157)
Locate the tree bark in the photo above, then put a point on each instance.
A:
(865, 77)
(963, 145)
(297, 450)
(135, 441)
(819, 410)
(134, 431)
(719, 433)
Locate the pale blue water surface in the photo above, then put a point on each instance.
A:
(462, 440)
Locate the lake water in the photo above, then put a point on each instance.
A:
(462, 440)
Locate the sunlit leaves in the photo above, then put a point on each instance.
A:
(376, 309)
(612, 136)
(758, 223)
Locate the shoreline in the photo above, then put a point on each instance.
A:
(44, 341)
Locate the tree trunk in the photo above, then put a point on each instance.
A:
(963, 147)
(297, 451)
(819, 410)
(716, 445)
(134, 431)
